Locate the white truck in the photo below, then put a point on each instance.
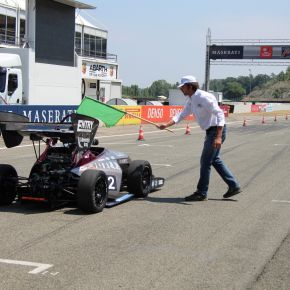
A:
(11, 88)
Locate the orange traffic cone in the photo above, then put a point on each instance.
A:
(187, 130)
(263, 120)
(275, 119)
(141, 134)
(286, 117)
(245, 123)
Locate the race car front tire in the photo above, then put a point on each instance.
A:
(139, 178)
(8, 183)
(92, 193)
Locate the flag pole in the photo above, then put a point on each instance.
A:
(140, 118)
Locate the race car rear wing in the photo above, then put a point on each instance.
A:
(10, 124)
(81, 130)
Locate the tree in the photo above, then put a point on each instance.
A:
(216, 85)
(234, 90)
(160, 88)
(287, 74)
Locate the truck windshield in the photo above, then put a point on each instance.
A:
(2, 81)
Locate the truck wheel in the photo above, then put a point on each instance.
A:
(139, 178)
(8, 183)
(92, 193)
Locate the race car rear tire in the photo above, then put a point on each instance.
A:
(139, 178)
(92, 193)
(8, 177)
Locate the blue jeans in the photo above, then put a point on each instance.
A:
(210, 157)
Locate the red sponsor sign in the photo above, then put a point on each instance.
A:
(258, 108)
(154, 114)
(161, 114)
(266, 51)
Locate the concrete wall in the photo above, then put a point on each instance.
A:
(246, 107)
(242, 107)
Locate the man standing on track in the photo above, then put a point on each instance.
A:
(210, 118)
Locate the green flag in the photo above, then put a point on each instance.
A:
(95, 109)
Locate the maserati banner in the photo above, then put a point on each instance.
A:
(226, 52)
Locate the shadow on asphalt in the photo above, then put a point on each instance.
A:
(26, 209)
(29, 208)
(76, 211)
(178, 200)
(223, 199)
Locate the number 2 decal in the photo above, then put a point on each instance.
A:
(112, 182)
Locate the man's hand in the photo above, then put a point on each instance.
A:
(161, 126)
(217, 143)
(165, 126)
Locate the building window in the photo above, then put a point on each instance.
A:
(86, 50)
(99, 46)
(22, 31)
(78, 42)
(104, 48)
(2, 28)
(92, 45)
(11, 25)
(7, 29)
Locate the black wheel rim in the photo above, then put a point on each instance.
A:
(146, 178)
(100, 191)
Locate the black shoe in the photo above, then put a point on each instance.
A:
(232, 192)
(196, 196)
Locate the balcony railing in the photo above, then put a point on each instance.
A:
(6, 39)
(97, 54)
(20, 42)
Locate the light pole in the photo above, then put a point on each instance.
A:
(250, 76)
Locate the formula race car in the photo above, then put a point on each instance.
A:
(72, 167)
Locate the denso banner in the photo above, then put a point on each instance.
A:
(161, 114)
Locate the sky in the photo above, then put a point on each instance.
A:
(166, 39)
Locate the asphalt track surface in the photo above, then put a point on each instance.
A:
(162, 242)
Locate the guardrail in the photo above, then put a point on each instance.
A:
(54, 114)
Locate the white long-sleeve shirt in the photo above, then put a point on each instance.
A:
(205, 108)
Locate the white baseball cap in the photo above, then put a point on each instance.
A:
(187, 80)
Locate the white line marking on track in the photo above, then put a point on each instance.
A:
(113, 143)
(21, 146)
(153, 145)
(165, 165)
(39, 267)
(281, 201)
(282, 144)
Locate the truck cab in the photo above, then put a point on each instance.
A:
(11, 88)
